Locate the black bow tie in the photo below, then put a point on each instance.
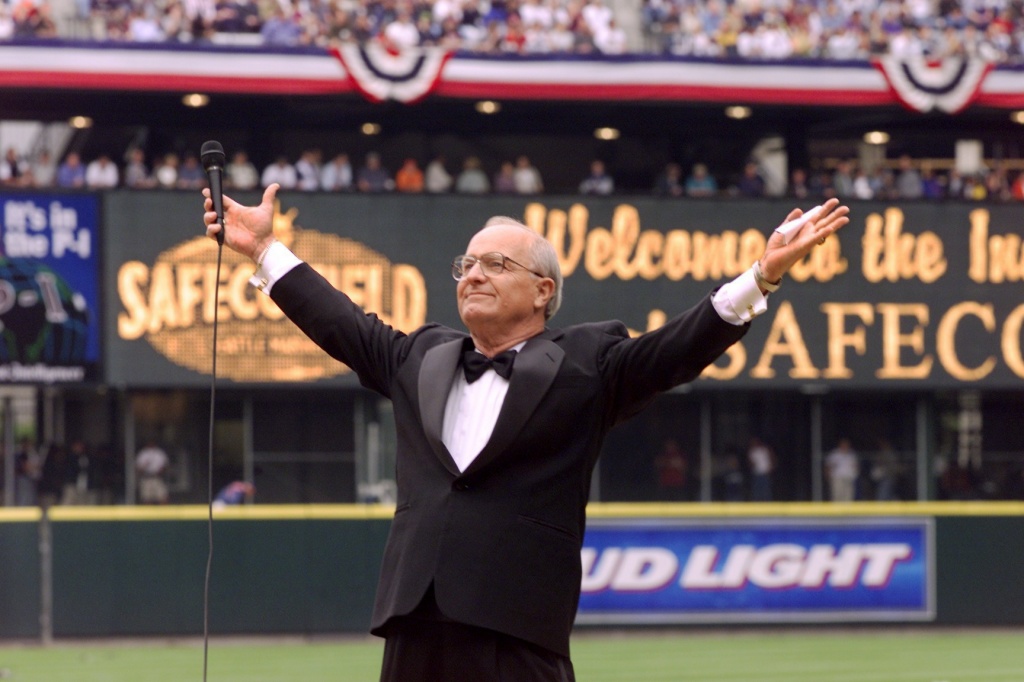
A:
(474, 364)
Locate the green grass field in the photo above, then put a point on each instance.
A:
(786, 656)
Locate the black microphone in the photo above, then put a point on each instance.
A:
(212, 156)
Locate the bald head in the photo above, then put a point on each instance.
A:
(543, 259)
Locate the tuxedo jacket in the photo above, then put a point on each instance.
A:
(501, 540)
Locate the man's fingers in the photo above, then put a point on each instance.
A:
(269, 193)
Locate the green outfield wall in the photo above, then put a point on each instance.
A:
(125, 571)
(20, 581)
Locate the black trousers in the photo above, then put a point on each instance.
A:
(427, 646)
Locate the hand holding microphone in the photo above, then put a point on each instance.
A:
(212, 156)
(247, 230)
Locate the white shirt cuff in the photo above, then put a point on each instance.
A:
(277, 262)
(740, 300)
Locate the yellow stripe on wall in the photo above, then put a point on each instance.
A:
(20, 514)
(596, 510)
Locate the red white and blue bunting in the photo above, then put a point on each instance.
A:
(381, 75)
(950, 85)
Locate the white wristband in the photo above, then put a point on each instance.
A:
(759, 278)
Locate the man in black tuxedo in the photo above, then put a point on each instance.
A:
(498, 433)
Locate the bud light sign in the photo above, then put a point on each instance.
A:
(777, 570)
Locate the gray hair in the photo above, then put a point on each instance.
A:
(544, 258)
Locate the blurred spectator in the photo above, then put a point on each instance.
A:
(81, 478)
(957, 482)
(166, 171)
(1017, 188)
(144, 25)
(237, 16)
(537, 13)
(336, 176)
(472, 179)
(597, 16)
(409, 177)
(883, 181)
(526, 177)
(43, 169)
(241, 173)
(402, 32)
(436, 178)
(885, 472)
(281, 28)
(862, 188)
(373, 177)
(974, 188)
(151, 464)
(997, 185)
(32, 20)
(598, 181)
(701, 183)
(136, 173)
(670, 182)
(761, 459)
(52, 466)
(14, 172)
(307, 171)
(26, 475)
(842, 179)
(932, 186)
(820, 184)
(908, 180)
(673, 470)
(6, 23)
(174, 24)
(505, 178)
(611, 39)
(234, 493)
(71, 173)
(750, 184)
(798, 186)
(954, 184)
(842, 468)
(732, 479)
(102, 173)
(191, 174)
(282, 172)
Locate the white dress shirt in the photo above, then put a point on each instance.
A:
(471, 413)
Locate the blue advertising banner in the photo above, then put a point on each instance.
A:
(772, 570)
(49, 288)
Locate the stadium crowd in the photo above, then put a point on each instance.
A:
(992, 30)
(902, 179)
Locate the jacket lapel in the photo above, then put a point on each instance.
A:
(437, 372)
(535, 369)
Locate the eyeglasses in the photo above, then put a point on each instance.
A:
(492, 264)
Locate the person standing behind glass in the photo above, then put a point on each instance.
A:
(598, 182)
(241, 173)
(336, 176)
(762, 467)
(436, 178)
(373, 177)
(472, 180)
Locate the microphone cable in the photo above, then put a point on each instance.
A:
(212, 156)
(209, 461)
